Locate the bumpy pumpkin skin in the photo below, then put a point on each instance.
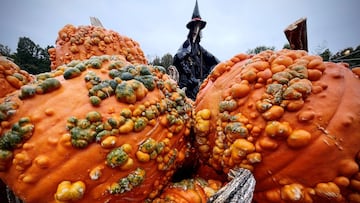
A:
(82, 42)
(105, 139)
(196, 190)
(11, 76)
(291, 118)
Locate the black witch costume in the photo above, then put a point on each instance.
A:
(193, 62)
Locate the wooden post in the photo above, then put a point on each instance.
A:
(95, 22)
(296, 34)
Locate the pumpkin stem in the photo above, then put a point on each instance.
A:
(239, 189)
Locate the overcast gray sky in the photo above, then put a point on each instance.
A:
(233, 26)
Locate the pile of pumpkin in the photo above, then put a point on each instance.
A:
(105, 126)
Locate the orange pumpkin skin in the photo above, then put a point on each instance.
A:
(195, 190)
(83, 42)
(11, 76)
(82, 141)
(356, 70)
(291, 118)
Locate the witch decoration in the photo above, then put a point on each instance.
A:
(193, 62)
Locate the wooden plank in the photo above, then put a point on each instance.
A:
(95, 22)
(296, 34)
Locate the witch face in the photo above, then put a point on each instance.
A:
(195, 32)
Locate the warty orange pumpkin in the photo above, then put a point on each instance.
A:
(97, 130)
(83, 42)
(195, 190)
(238, 188)
(11, 76)
(290, 118)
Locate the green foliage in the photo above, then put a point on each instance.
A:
(31, 57)
(165, 61)
(259, 49)
(5, 50)
(156, 61)
(323, 51)
(326, 54)
(286, 46)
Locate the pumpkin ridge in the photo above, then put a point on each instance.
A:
(321, 129)
(339, 99)
(68, 115)
(302, 119)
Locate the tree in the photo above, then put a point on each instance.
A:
(5, 50)
(156, 61)
(286, 46)
(31, 57)
(326, 54)
(323, 51)
(165, 61)
(259, 49)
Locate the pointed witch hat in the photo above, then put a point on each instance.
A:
(196, 18)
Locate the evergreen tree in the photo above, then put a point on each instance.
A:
(31, 57)
(326, 54)
(5, 50)
(165, 61)
(259, 49)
